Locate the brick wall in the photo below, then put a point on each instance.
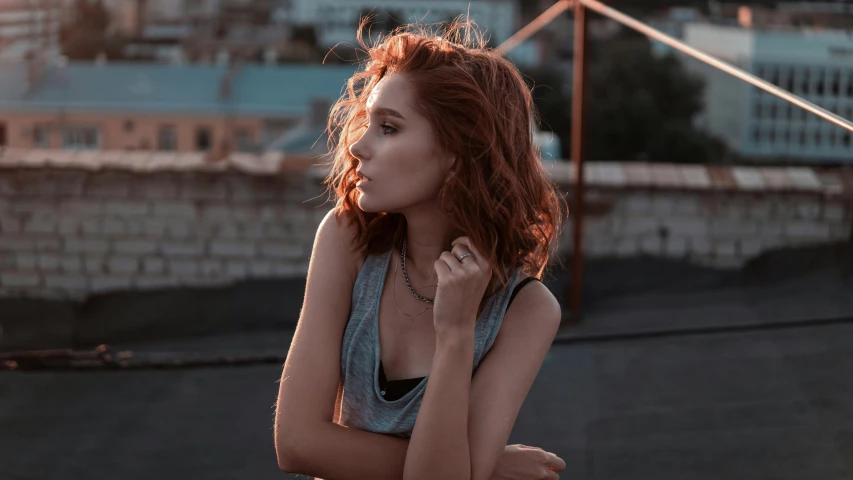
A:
(68, 232)
(713, 216)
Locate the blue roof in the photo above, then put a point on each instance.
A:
(256, 89)
(311, 140)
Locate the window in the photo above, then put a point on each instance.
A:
(802, 137)
(819, 86)
(804, 86)
(41, 137)
(773, 111)
(758, 110)
(756, 135)
(81, 138)
(128, 125)
(836, 83)
(845, 139)
(203, 138)
(167, 138)
(850, 85)
(817, 137)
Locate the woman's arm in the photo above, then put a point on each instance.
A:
(439, 445)
(332, 451)
(307, 440)
(492, 399)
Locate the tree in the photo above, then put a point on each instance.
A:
(639, 106)
(553, 105)
(87, 34)
(642, 105)
(306, 34)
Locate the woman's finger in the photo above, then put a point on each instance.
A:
(451, 261)
(556, 463)
(442, 269)
(459, 250)
(477, 254)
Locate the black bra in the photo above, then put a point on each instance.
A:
(396, 389)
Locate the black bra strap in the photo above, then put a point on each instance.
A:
(518, 287)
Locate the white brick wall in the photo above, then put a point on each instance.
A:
(69, 233)
(718, 229)
(74, 233)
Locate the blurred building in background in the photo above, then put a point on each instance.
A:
(816, 64)
(336, 20)
(29, 27)
(785, 14)
(127, 106)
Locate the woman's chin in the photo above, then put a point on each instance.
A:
(364, 204)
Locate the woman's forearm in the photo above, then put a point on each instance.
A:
(439, 444)
(331, 451)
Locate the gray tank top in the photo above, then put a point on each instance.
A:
(360, 402)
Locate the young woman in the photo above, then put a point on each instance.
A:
(423, 325)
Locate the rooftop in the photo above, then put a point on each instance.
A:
(131, 87)
(632, 393)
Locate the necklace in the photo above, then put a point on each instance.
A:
(406, 276)
(394, 297)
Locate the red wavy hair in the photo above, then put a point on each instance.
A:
(481, 110)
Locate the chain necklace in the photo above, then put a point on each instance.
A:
(406, 276)
(409, 284)
(394, 297)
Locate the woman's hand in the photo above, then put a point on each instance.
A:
(461, 285)
(520, 462)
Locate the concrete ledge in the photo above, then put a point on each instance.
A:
(150, 315)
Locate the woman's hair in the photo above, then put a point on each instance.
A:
(481, 110)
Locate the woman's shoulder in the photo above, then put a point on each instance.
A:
(341, 232)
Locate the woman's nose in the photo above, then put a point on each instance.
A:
(357, 148)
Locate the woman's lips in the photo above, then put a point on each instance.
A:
(362, 181)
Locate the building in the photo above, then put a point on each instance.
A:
(29, 27)
(337, 20)
(672, 23)
(814, 64)
(126, 106)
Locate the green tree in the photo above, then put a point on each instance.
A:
(553, 105)
(87, 34)
(639, 106)
(306, 34)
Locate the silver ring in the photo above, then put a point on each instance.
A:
(461, 257)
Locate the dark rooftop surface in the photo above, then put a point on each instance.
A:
(677, 372)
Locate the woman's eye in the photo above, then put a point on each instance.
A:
(383, 127)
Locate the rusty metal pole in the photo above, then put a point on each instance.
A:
(579, 77)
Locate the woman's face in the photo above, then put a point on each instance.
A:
(397, 152)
